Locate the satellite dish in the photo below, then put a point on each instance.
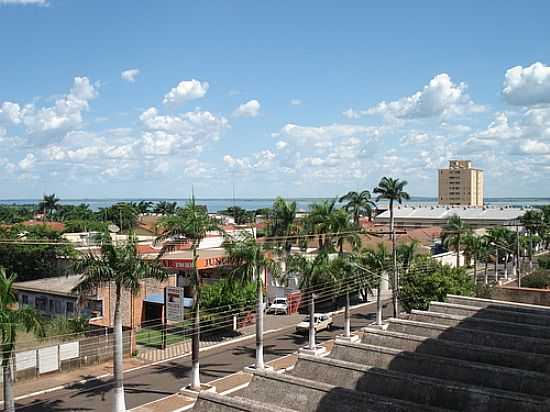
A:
(113, 228)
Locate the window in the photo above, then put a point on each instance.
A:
(25, 299)
(69, 306)
(41, 302)
(95, 307)
(52, 306)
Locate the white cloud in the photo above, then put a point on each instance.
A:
(527, 85)
(280, 145)
(415, 138)
(188, 131)
(28, 162)
(12, 112)
(535, 147)
(295, 102)
(249, 109)
(65, 114)
(351, 114)
(323, 136)
(439, 97)
(186, 90)
(129, 75)
(24, 2)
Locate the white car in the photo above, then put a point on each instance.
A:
(321, 321)
(279, 305)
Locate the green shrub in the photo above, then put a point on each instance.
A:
(544, 262)
(537, 280)
(429, 280)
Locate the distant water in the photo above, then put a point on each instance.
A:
(303, 204)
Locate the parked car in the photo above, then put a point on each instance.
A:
(321, 321)
(279, 305)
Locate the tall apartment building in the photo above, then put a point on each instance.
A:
(460, 184)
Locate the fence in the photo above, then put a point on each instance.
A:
(61, 357)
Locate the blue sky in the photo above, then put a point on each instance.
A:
(145, 99)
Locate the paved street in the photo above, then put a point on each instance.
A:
(154, 382)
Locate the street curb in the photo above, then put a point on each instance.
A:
(206, 349)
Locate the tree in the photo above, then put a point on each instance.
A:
(240, 215)
(377, 261)
(32, 260)
(12, 317)
(80, 212)
(48, 205)
(453, 233)
(474, 247)
(392, 190)
(123, 267)
(429, 280)
(165, 208)
(249, 261)
(358, 204)
(282, 223)
(532, 220)
(191, 222)
(406, 253)
(313, 274)
(122, 214)
(318, 222)
(144, 206)
(343, 230)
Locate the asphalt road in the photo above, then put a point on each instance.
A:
(157, 381)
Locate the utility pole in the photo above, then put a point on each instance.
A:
(518, 270)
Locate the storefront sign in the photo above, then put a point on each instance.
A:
(173, 304)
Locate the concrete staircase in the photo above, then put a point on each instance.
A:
(465, 354)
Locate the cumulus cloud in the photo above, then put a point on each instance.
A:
(129, 75)
(351, 114)
(415, 138)
(322, 136)
(28, 162)
(189, 131)
(535, 147)
(527, 85)
(249, 109)
(440, 97)
(65, 114)
(186, 90)
(11, 112)
(295, 102)
(280, 145)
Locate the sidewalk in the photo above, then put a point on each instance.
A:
(56, 381)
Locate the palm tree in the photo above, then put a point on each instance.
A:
(248, 261)
(377, 261)
(473, 246)
(343, 230)
(144, 206)
(313, 273)
(283, 224)
(453, 234)
(406, 253)
(392, 190)
(122, 266)
(318, 222)
(49, 205)
(358, 204)
(191, 222)
(12, 317)
(165, 208)
(532, 220)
